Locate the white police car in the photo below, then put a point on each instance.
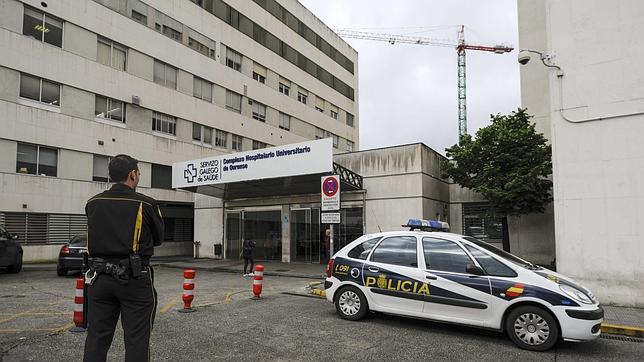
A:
(459, 279)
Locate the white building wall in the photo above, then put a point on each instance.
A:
(598, 154)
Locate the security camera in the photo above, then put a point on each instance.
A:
(524, 57)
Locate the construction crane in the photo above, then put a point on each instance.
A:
(460, 45)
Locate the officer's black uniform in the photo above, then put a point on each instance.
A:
(121, 223)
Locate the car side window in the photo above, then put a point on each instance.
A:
(361, 251)
(490, 265)
(397, 250)
(4, 235)
(445, 255)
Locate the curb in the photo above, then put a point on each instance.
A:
(629, 331)
(235, 271)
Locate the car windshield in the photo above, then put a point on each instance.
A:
(502, 253)
(78, 240)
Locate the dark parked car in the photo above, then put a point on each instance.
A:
(10, 251)
(70, 256)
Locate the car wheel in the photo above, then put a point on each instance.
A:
(61, 271)
(17, 266)
(351, 304)
(532, 328)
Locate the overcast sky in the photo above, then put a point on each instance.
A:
(408, 93)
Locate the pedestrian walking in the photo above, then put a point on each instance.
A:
(247, 254)
(123, 227)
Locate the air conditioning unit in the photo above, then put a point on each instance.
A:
(136, 100)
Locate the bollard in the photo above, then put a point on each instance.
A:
(78, 306)
(258, 281)
(188, 290)
(197, 243)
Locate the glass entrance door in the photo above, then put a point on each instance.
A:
(305, 234)
(233, 234)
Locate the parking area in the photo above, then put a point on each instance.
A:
(36, 311)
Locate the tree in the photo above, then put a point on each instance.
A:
(508, 163)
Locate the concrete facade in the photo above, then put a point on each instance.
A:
(72, 129)
(595, 116)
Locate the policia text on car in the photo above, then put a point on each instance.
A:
(123, 228)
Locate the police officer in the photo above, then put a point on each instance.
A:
(123, 228)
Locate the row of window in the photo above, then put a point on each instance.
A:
(275, 9)
(113, 54)
(242, 23)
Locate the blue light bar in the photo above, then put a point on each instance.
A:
(426, 225)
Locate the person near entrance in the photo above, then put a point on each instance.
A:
(123, 227)
(247, 254)
(327, 244)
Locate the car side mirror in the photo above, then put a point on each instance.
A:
(14, 237)
(473, 269)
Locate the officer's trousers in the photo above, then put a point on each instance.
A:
(136, 302)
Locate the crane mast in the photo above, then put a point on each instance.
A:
(460, 45)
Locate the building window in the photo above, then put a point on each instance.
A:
(202, 89)
(334, 114)
(259, 111)
(336, 139)
(237, 142)
(319, 133)
(108, 108)
(257, 145)
(302, 98)
(165, 74)
(285, 121)
(161, 176)
(233, 101)
(479, 221)
(201, 48)
(43, 27)
(349, 146)
(164, 123)
(350, 119)
(100, 171)
(284, 89)
(233, 59)
(40, 90)
(260, 78)
(37, 160)
(221, 138)
(202, 134)
(140, 17)
(171, 33)
(111, 54)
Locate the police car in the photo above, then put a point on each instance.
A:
(459, 279)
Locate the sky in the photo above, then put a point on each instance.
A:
(408, 93)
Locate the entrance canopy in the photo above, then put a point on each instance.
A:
(293, 169)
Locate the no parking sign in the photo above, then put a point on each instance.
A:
(330, 193)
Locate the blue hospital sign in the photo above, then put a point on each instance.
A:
(288, 160)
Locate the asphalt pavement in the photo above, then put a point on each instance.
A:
(36, 308)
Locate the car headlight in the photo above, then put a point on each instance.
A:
(575, 294)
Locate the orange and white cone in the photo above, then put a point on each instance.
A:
(258, 281)
(79, 298)
(188, 290)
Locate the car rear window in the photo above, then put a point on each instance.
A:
(361, 251)
(78, 240)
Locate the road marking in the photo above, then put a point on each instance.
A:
(15, 316)
(168, 305)
(63, 328)
(227, 297)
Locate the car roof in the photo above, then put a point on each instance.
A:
(440, 234)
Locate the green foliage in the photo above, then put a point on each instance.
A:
(508, 163)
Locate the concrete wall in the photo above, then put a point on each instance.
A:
(598, 164)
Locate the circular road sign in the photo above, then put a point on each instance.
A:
(330, 186)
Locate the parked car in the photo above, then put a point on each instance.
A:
(10, 251)
(458, 279)
(70, 256)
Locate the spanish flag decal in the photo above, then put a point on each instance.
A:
(515, 290)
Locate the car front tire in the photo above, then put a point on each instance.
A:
(351, 304)
(532, 328)
(17, 266)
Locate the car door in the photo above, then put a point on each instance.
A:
(392, 276)
(455, 295)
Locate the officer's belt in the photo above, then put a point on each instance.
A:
(117, 267)
(113, 259)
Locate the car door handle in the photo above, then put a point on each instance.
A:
(373, 269)
(431, 277)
